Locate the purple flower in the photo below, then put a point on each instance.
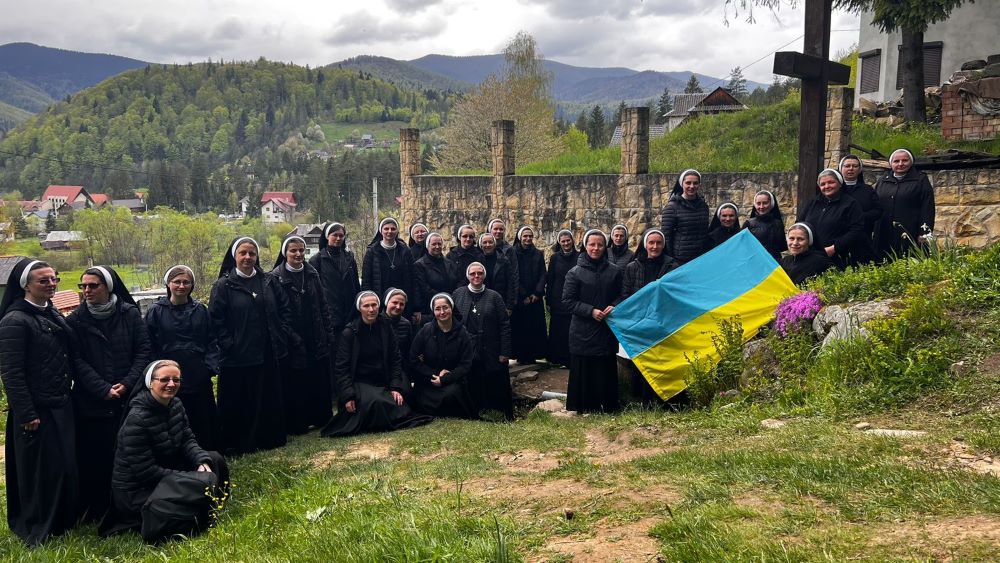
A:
(797, 310)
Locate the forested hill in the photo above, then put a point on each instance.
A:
(195, 118)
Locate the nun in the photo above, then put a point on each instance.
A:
(528, 321)
(418, 237)
(484, 315)
(802, 261)
(432, 274)
(498, 229)
(305, 371)
(465, 253)
(500, 273)
(837, 222)
(338, 273)
(766, 223)
(618, 252)
(593, 288)
(650, 264)
(442, 355)
(395, 303)
(114, 341)
(181, 330)
(855, 186)
(684, 220)
(907, 201)
(562, 260)
(251, 318)
(725, 223)
(387, 262)
(156, 445)
(369, 376)
(38, 361)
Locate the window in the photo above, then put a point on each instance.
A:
(932, 65)
(871, 70)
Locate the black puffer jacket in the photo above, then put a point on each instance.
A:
(431, 276)
(38, 359)
(310, 301)
(644, 270)
(348, 350)
(591, 285)
(770, 231)
(227, 296)
(154, 441)
(684, 222)
(173, 328)
(907, 204)
(501, 277)
(620, 255)
(339, 276)
(559, 265)
(461, 258)
(433, 350)
(118, 349)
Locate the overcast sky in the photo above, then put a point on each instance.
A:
(663, 35)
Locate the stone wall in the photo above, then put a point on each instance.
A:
(959, 122)
(968, 201)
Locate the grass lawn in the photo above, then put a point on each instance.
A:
(336, 131)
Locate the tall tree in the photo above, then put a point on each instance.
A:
(693, 85)
(737, 83)
(664, 106)
(911, 18)
(595, 128)
(581, 121)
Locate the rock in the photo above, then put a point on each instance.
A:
(841, 322)
(974, 65)
(991, 70)
(993, 59)
(896, 433)
(867, 107)
(569, 514)
(552, 405)
(527, 376)
(959, 438)
(862, 426)
(772, 423)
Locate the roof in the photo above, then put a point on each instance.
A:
(684, 102)
(286, 196)
(66, 300)
(64, 236)
(718, 100)
(68, 192)
(130, 203)
(100, 199)
(283, 204)
(7, 264)
(655, 132)
(306, 229)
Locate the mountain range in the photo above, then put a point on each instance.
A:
(32, 77)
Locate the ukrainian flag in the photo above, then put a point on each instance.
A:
(678, 313)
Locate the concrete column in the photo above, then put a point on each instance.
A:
(409, 166)
(502, 147)
(839, 110)
(635, 141)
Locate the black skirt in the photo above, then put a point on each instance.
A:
(375, 411)
(559, 339)
(450, 400)
(251, 409)
(198, 398)
(95, 455)
(308, 395)
(489, 384)
(527, 329)
(640, 389)
(593, 384)
(43, 486)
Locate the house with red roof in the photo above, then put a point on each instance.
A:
(100, 200)
(277, 207)
(74, 196)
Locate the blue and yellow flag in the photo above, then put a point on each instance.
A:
(678, 313)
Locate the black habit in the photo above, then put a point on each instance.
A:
(434, 350)
(806, 265)
(527, 322)
(560, 263)
(839, 222)
(485, 318)
(907, 205)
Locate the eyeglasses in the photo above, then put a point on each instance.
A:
(165, 380)
(182, 283)
(47, 281)
(90, 286)
(477, 274)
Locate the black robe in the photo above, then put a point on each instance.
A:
(839, 222)
(485, 318)
(431, 275)
(461, 258)
(338, 273)
(528, 320)
(385, 268)
(806, 265)
(559, 265)
(501, 277)
(868, 200)
(434, 350)
(907, 205)
(367, 370)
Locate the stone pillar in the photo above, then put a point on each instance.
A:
(409, 166)
(502, 147)
(839, 110)
(635, 141)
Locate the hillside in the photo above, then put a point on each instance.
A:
(403, 73)
(60, 72)
(179, 129)
(11, 117)
(23, 95)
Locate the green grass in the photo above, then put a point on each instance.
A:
(381, 130)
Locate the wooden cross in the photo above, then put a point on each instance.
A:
(815, 70)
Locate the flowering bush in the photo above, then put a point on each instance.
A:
(797, 310)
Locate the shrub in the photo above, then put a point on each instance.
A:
(720, 371)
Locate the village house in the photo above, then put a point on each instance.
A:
(312, 233)
(690, 106)
(277, 207)
(73, 196)
(64, 240)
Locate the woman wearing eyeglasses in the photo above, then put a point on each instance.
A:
(38, 360)
(114, 341)
(155, 443)
(464, 254)
(181, 330)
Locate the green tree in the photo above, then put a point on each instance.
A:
(737, 83)
(581, 121)
(693, 85)
(596, 128)
(911, 18)
(664, 106)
